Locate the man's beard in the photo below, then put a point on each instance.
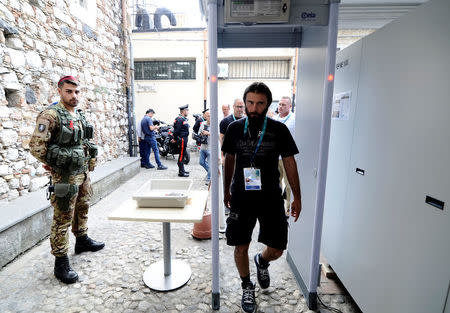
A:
(255, 118)
(72, 103)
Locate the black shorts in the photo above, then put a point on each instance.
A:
(268, 210)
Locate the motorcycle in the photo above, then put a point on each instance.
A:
(164, 136)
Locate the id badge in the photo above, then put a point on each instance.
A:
(252, 178)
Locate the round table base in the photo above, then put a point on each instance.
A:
(155, 279)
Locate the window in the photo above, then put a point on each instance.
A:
(164, 70)
(253, 69)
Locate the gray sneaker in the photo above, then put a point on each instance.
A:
(262, 273)
(248, 302)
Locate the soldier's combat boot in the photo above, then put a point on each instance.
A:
(84, 243)
(63, 271)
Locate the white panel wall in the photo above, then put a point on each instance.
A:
(307, 136)
(390, 248)
(341, 139)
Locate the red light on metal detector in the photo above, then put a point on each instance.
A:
(213, 78)
(330, 77)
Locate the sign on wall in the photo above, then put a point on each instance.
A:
(341, 106)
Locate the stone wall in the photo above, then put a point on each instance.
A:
(40, 41)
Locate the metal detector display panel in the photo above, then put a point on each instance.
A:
(257, 11)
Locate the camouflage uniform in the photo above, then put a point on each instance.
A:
(60, 140)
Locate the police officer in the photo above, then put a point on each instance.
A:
(61, 141)
(181, 133)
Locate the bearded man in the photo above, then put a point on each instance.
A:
(252, 147)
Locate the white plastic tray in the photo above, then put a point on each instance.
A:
(163, 193)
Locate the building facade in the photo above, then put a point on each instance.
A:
(171, 70)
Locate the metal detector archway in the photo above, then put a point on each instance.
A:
(312, 26)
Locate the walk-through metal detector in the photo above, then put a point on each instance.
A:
(312, 26)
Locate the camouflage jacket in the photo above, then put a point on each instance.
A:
(46, 144)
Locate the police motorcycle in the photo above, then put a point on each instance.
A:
(164, 136)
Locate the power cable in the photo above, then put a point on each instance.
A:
(329, 308)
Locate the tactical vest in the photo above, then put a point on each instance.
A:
(65, 153)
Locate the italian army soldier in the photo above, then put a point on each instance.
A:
(61, 141)
(181, 133)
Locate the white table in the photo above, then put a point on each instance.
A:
(167, 274)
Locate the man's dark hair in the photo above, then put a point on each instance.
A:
(68, 80)
(150, 111)
(258, 87)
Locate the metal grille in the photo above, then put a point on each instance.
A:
(252, 69)
(164, 70)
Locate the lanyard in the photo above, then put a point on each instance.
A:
(284, 121)
(261, 135)
(233, 117)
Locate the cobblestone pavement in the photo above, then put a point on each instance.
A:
(111, 279)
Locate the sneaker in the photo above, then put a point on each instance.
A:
(162, 167)
(248, 302)
(262, 273)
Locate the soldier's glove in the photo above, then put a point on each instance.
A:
(91, 148)
(92, 164)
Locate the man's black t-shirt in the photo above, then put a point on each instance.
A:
(227, 121)
(277, 141)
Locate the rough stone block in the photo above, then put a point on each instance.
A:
(37, 183)
(8, 124)
(4, 170)
(14, 43)
(30, 95)
(13, 194)
(6, 27)
(8, 137)
(33, 59)
(13, 183)
(17, 58)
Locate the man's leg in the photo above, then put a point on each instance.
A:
(208, 156)
(63, 207)
(154, 146)
(147, 153)
(202, 159)
(180, 163)
(142, 152)
(80, 217)
(248, 302)
(241, 259)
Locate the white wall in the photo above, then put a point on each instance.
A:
(388, 247)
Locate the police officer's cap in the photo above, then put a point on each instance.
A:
(150, 111)
(184, 107)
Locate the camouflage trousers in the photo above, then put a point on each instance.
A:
(71, 209)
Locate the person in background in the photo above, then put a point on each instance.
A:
(150, 141)
(140, 139)
(286, 117)
(252, 147)
(225, 110)
(61, 140)
(195, 132)
(238, 112)
(180, 134)
(204, 133)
